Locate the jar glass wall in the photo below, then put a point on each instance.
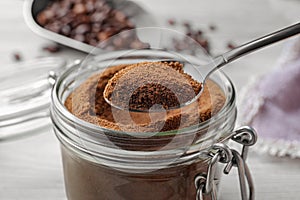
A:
(100, 163)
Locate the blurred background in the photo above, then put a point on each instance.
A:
(234, 23)
(30, 168)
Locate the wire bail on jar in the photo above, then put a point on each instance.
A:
(221, 153)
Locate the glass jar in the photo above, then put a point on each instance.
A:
(25, 97)
(100, 163)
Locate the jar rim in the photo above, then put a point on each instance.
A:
(230, 101)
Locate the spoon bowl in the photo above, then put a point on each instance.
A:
(189, 73)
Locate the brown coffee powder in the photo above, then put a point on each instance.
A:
(87, 103)
(143, 85)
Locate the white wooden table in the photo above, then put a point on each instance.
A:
(31, 169)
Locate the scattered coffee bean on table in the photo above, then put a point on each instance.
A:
(171, 22)
(230, 45)
(186, 44)
(89, 21)
(17, 56)
(53, 48)
(212, 27)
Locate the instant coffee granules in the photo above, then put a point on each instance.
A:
(87, 103)
(144, 85)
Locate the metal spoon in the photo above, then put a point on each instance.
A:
(232, 55)
(243, 50)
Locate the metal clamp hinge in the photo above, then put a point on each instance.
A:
(221, 153)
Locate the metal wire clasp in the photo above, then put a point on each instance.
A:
(221, 153)
(53, 75)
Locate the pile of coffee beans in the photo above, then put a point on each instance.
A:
(89, 21)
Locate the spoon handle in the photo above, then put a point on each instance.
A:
(255, 45)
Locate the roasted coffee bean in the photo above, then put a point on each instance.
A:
(79, 9)
(93, 42)
(204, 43)
(66, 30)
(49, 14)
(171, 22)
(121, 17)
(129, 25)
(96, 27)
(82, 28)
(54, 27)
(212, 27)
(17, 56)
(230, 45)
(98, 17)
(189, 34)
(103, 36)
(68, 18)
(186, 24)
(105, 9)
(66, 4)
(99, 5)
(61, 12)
(89, 6)
(82, 19)
(91, 36)
(52, 48)
(42, 19)
(79, 38)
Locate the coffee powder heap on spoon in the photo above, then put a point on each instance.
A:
(151, 85)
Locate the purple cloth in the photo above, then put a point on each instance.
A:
(272, 104)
